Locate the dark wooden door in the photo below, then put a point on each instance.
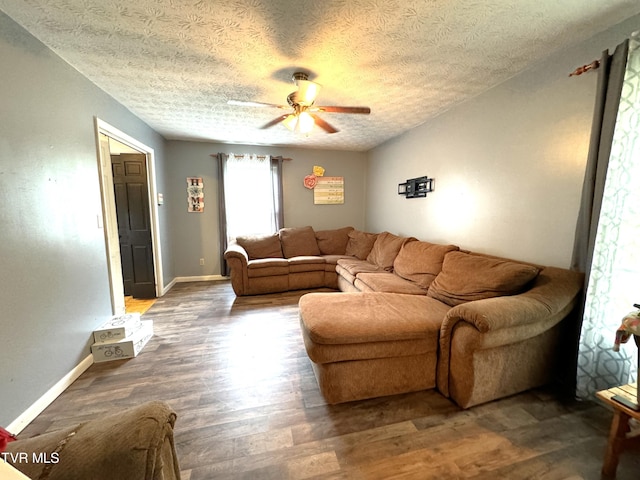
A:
(134, 225)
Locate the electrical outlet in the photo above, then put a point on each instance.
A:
(202, 261)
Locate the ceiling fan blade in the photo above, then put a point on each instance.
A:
(242, 103)
(327, 127)
(273, 122)
(334, 109)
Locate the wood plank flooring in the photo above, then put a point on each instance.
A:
(138, 305)
(248, 406)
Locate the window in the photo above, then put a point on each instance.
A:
(252, 200)
(250, 197)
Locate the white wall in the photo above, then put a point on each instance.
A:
(195, 235)
(508, 165)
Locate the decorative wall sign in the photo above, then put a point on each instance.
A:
(195, 194)
(329, 191)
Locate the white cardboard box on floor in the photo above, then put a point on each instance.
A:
(7, 472)
(117, 328)
(126, 348)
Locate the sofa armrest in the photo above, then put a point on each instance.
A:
(133, 444)
(235, 250)
(509, 319)
(238, 260)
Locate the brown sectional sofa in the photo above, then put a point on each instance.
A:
(416, 315)
(292, 259)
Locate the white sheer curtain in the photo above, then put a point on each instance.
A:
(251, 196)
(614, 281)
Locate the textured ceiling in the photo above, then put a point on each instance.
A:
(175, 63)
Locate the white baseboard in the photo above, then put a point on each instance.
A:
(54, 392)
(201, 278)
(168, 287)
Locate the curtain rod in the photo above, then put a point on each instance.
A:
(258, 156)
(585, 68)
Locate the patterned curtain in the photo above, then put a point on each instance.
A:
(614, 275)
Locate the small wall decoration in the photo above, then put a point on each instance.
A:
(310, 181)
(329, 191)
(195, 194)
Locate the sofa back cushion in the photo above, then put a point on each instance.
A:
(420, 262)
(385, 250)
(262, 246)
(333, 242)
(298, 241)
(466, 277)
(360, 244)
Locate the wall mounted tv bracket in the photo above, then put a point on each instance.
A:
(416, 187)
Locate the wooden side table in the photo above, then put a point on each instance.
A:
(618, 434)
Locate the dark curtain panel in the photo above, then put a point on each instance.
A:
(276, 176)
(610, 78)
(222, 214)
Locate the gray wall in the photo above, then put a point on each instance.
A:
(195, 235)
(508, 165)
(53, 285)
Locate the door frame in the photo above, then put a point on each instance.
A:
(109, 217)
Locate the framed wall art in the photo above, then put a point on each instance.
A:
(195, 195)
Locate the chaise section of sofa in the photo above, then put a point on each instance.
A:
(500, 326)
(370, 345)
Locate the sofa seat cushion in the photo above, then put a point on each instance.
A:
(385, 249)
(306, 263)
(387, 282)
(331, 261)
(333, 242)
(350, 267)
(266, 267)
(298, 241)
(421, 262)
(466, 277)
(354, 266)
(263, 246)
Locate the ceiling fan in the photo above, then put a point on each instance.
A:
(304, 115)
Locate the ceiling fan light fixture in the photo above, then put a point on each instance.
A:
(305, 122)
(307, 92)
(299, 123)
(291, 122)
(304, 117)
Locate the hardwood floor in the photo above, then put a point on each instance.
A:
(248, 406)
(138, 305)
